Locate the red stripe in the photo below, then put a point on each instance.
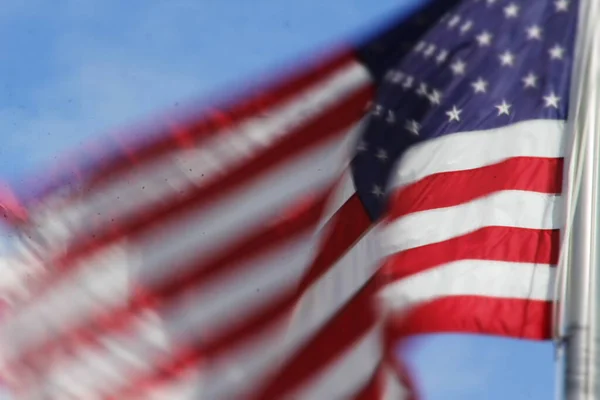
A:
(348, 326)
(498, 243)
(348, 224)
(264, 319)
(518, 318)
(446, 189)
(217, 120)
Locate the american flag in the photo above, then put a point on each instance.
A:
(475, 117)
(238, 256)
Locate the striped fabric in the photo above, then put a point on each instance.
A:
(190, 270)
(482, 256)
(472, 229)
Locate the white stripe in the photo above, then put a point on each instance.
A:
(473, 277)
(510, 208)
(184, 169)
(469, 150)
(347, 374)
(186, 387)
(13, 279)
(337, 286)
(342, 193)
(393, 388)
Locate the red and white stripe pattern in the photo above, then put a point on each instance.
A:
(227, 260)
(473, 232)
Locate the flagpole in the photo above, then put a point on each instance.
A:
(582, 194)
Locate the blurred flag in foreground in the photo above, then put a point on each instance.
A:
(238, 255)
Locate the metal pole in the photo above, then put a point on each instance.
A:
(581, 371)
(579, 361)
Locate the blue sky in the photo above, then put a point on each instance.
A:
(71, 70)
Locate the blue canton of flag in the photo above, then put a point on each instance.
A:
(486, 64)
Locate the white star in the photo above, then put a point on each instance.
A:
(408, 81)
(377, 110)
(557, 52)
(435, 97)
(454, 114)
(453, 21)
(422, 90)
(534, 32)
(381, 155)
(413, 126)
(420, 46)
(551, 100)
(429, 51)
(442, 56)
(362, 146)
(484, 38)
(458, 67)
(479, 86)
(511, 11)
(561, 5)
(507, 58)
(466, 26)
(490, 2)
(394, 76)
(391, 118)
(377, 191)
(503, 108)
(530, 80)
